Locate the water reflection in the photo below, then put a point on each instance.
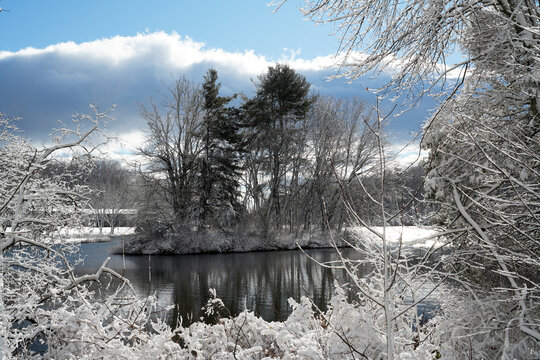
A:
(259, 281)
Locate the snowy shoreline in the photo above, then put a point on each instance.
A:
(215, 242)
(87, 235)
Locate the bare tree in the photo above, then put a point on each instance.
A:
(332, 141)
(112, 192)
(172, 146)
(341, 147)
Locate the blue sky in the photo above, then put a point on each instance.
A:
(234, 25)
(58, 56)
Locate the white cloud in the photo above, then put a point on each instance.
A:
(171, 51)
(49, 84)
(124, 146)
(405, 154)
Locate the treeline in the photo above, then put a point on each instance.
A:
(279, 162)
(283, 162)
(113, 189)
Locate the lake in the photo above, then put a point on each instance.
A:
(258, 281)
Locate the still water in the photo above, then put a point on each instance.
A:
(258, 281)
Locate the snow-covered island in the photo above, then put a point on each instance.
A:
(219, 242)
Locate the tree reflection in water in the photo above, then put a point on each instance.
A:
(259, 281)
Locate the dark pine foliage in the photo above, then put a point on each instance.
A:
(276, 116)
(220, 163)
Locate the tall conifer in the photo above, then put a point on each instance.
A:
(220, 168)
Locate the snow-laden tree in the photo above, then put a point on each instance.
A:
(44, 305)
(483, 142)
(485, 171)
(415, 38)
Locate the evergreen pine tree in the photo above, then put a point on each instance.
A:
(220, 169)
(276, 114)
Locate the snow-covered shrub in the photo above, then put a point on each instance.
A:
(113, 329)
(467, 328)
(344, 331)
(46, 310)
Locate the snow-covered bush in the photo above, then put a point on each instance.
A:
(45, 308)
(113, 329)
(344, 331)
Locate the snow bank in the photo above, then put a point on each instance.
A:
(92, 234)
(412, 236)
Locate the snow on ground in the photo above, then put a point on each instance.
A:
(413, 236)
(92, 234)
(84, 234)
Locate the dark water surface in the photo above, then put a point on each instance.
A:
(259, 281)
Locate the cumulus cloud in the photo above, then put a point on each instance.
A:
(45, 85)
(403, 155)
(50, 84)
